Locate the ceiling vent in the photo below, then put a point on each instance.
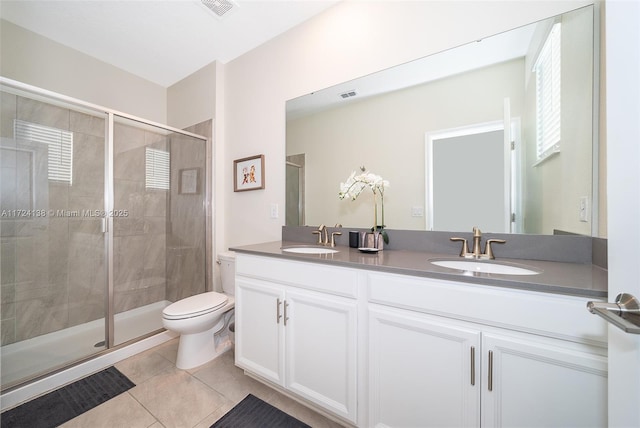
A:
(348, 94)
(220, 8)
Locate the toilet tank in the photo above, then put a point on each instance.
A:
(227, 261)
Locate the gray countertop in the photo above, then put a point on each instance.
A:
(573, 279)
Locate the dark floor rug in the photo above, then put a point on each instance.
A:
(66, 403)
(252, 412)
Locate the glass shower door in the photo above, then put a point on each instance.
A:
(158, 224)
(53, 254)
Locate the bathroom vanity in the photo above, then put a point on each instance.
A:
(390, 339)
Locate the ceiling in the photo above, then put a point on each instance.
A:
(161, 41)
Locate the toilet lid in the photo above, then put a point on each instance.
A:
(195, 305)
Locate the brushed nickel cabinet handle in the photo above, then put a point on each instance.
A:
(278, 315)
(490, 370)
(473, 366)
(286, 318)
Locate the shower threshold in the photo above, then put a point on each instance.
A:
(32, 357)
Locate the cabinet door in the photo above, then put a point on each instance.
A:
(321, 343)
(422, 371)
(259, 331)
(541, 383)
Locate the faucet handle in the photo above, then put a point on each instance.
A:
(465, 246)
(333, 239)
(319, 233)
(487, 247)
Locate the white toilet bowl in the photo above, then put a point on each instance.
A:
(197, 319)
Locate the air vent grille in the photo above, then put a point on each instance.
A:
(348, 94)
(219, 7)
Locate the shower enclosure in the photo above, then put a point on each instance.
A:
(103, 222)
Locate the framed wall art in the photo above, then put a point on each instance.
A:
(248, 173)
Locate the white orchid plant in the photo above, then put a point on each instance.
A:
(356, 183)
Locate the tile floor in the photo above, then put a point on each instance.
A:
(165, 396)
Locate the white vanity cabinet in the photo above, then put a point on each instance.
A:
(518, 363)
(423, 371)
(296, 327)
(380, 349)
(532, 381)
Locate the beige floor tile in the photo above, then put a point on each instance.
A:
(142, 367)
(169, 349)
(222, 375)
(121, 411)
(177, 399)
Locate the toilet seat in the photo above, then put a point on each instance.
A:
(194, 306)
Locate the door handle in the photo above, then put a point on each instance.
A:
(624, 313)
(278, 315)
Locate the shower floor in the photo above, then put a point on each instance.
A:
(29, 358)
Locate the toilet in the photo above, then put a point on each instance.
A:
(202, 321)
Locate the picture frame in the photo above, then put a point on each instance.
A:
(189, 181)
(248, 173)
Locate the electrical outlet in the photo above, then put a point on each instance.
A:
(274, 210)
(584, 208)
(417, 212)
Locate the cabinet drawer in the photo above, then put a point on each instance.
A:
(312, 276)
(563, 317)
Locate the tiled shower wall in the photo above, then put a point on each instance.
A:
(53, 270)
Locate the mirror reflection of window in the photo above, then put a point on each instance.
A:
(548, 71)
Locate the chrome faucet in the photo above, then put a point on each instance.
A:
(476, 253)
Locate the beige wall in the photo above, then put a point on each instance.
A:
(347, 41)
(192, 100)
(30, 58)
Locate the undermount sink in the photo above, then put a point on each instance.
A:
(309, 250)
(476, 266)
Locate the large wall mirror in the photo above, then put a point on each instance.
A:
(500, 134)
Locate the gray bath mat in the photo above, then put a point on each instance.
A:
(252, 412)
(66, 403)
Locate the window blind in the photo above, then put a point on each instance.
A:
(157, 169)
(548, 100)
(59, 144)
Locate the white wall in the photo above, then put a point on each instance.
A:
(30, 58)
(347, 41)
